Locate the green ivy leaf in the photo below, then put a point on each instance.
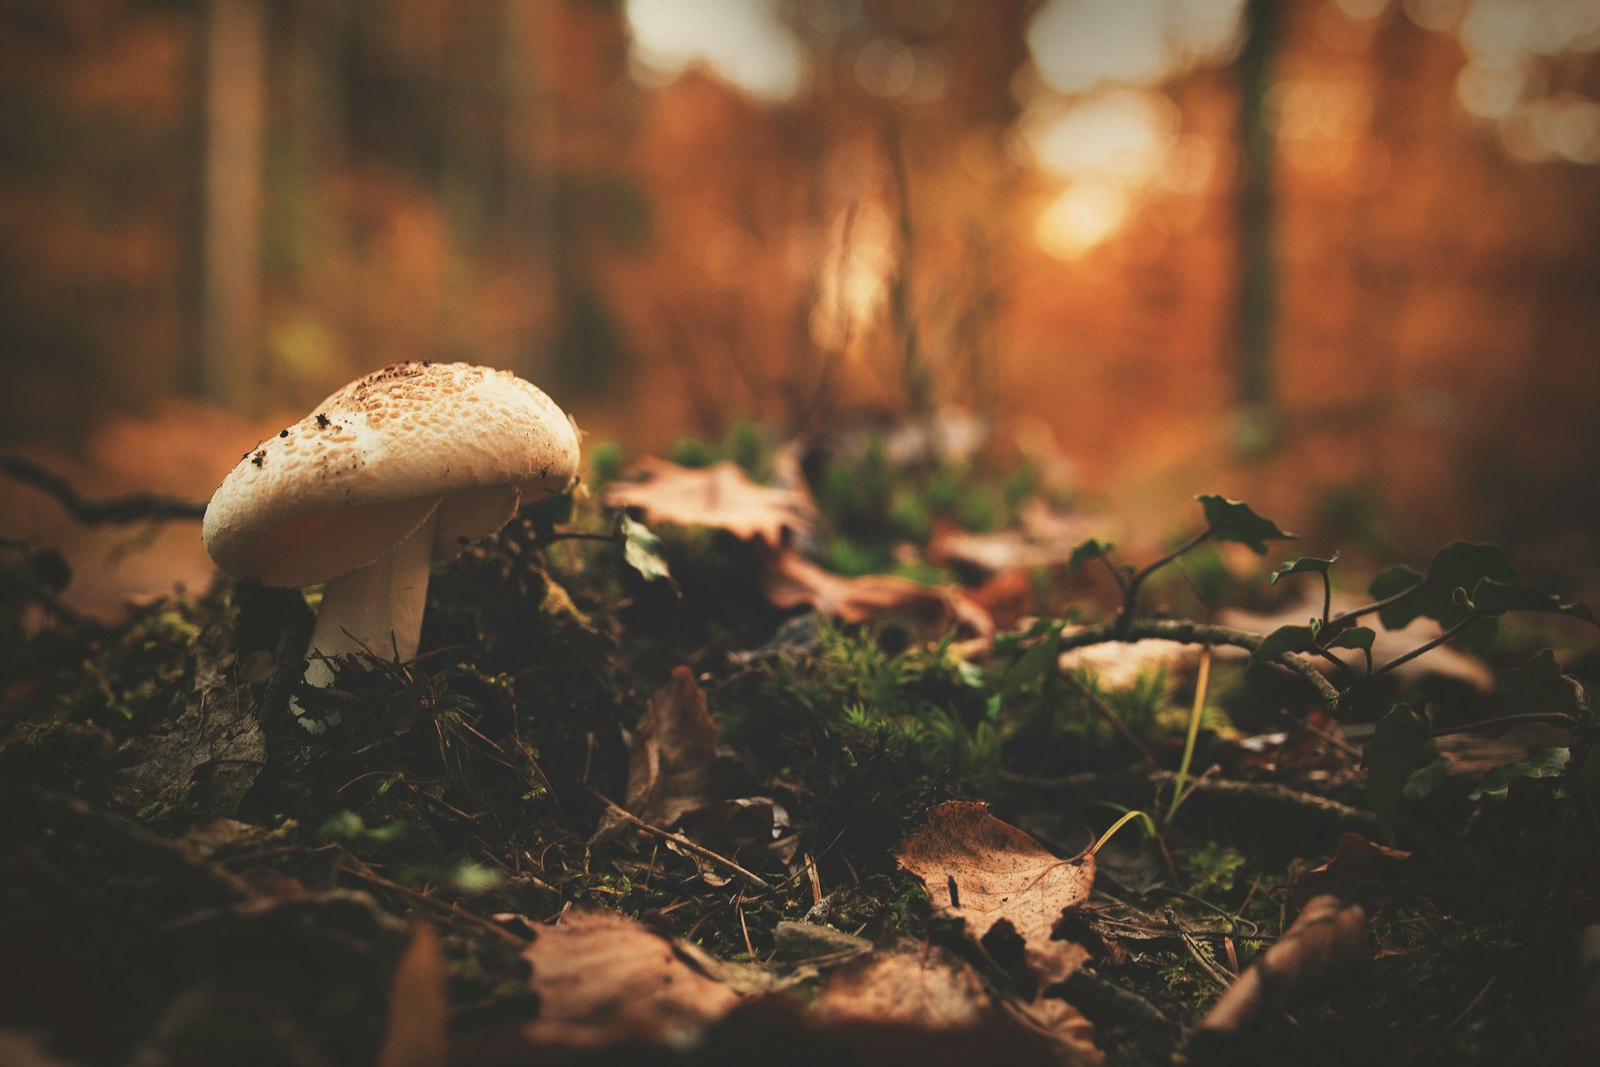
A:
(1494, 597)
(1086, 553)
(1539, 686)
(1459, 565)
(1035, 663)
(641, 550)
(1427, 778)
(1396, 748)
(1233, 520)
(1283, 639)
(1011, 642)
(1303, 565)
(1497, 782)
(1355, 637)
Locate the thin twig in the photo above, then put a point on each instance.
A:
(1106, 712)
(1195, 633)
(693, 846)
(1340, 621)
(119, 511)
(446, 907)
(1555, 718)
(1130, 592)
(1426, 646)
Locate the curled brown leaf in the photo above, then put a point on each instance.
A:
(1327, 939)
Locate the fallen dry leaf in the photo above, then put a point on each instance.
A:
(669, 759)
(1359, 870)
(603, 979)
(721, 497)
(1328, 938)
(1120, 664)
(933, 992)
(790, 581)
(1060, 1022)
(417, 1034)
(1000, 881)
(1045, 537)
(929, 989)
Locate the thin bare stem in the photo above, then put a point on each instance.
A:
(1105, 711)
(1130, 591)
(1554, 718)
(678, 839)
(1340, 621)
(1426, 646)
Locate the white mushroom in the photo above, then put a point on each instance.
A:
(402, 467)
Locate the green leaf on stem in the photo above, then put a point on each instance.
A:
(1034, 664)
(1233, 520)
(1494, 597)
(1397, 746)
(1539, 686)
(1459, 565)
(1283, 639)
(1303, 565)
(1086, 553)
(1427, 778)
(641, 550)
(1497, 782)
(1355, 637)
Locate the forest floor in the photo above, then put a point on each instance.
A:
(861, 760)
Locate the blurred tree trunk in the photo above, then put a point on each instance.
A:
(230, 214)
(1257, 308)
(527, 192)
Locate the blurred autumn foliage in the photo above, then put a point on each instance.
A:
(887, 206)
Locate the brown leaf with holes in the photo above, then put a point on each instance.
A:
(1360, 870)
(1326, 940)
(791, 582)
(417, 1033)
(1001, 881)
(721, 497)
(603, 979)
(669, 759)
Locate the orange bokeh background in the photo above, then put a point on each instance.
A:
(677, 213)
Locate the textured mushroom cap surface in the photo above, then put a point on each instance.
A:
(375, 460)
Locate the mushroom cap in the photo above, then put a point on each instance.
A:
(374, 461)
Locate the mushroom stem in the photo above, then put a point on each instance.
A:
(377, 608)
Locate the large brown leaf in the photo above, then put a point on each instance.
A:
(1000, 881)
(791, 582)
(720, 497)
(604, 979)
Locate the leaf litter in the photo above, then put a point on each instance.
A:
(466, 805)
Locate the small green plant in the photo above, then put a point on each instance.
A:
(1466, 589)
